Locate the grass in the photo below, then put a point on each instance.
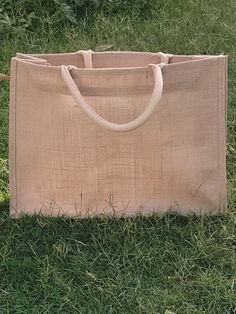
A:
(138, 265)
(142, 265)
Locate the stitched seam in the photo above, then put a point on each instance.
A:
(15, 155)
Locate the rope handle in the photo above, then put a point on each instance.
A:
(94, 116)
(88, 57)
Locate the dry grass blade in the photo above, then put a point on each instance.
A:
(4, 77)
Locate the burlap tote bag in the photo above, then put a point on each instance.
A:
(117, 133)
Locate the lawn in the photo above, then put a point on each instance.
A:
(169, 264)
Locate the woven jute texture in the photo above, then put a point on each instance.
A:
(63, 162)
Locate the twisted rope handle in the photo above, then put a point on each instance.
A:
(94, 116)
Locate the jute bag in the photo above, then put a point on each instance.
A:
(117, 133)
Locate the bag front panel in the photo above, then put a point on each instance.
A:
(66, 164)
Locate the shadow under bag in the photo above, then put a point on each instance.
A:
(117, 133)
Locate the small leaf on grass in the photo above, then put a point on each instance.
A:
(91, 275)
(4, 77)
(104, 47)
